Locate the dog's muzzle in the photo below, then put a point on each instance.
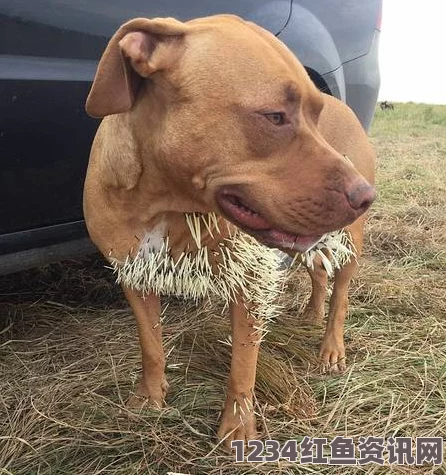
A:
(236, 210)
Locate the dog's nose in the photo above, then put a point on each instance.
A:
(361, 196)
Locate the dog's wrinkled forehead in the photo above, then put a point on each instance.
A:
(241, 50)
(242, 60)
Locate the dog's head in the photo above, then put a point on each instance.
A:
(233, 119)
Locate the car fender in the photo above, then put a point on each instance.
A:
(310, 41)
(272, 16)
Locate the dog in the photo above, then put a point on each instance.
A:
(216, 117)
(386, 105)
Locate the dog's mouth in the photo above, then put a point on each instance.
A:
(251, 221)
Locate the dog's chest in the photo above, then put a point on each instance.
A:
(230, 265)
(152, 241)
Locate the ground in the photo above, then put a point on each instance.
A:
(69, 355)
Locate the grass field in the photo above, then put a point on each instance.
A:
(69, 355)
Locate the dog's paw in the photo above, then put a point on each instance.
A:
(332, 354)
(238, 421)
(151, 394)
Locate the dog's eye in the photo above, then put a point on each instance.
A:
(276, 118)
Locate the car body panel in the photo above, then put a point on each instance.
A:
(350, 24)
(362, 81)
(103, 17)
(43, 168)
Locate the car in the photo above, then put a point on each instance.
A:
(48, 56)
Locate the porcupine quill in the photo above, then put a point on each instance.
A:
(246, 268)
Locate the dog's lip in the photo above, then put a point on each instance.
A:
(286, 241)
(251, 221)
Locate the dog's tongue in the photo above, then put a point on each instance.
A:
(299, 242)
(282, 236)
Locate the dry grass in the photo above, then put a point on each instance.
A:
(69, 353)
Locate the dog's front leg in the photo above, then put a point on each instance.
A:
(315, 310)
(332, 352)
(238, 420)
(153, 386)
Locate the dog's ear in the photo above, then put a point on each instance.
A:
(139, 48)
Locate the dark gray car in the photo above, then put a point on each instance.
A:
(48, 55)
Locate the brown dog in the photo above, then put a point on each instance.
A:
(217, 115)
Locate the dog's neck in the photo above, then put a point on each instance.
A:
(133, 192)
(185, 232)
(136, 171)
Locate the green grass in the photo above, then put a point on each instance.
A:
(69, 354)
(410, 120)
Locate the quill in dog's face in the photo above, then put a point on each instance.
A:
(246, 127)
